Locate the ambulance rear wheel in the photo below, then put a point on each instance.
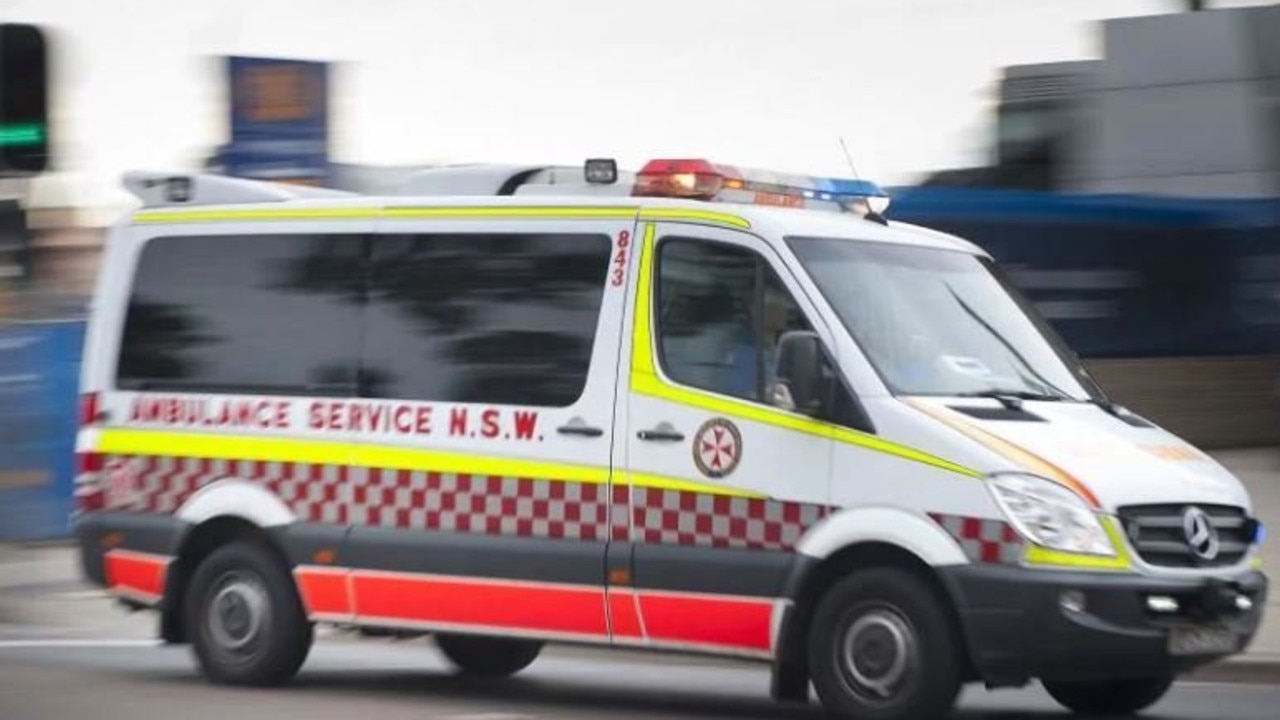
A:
(881, 647)
(488, 656)
(1123, 696)
(245, 619)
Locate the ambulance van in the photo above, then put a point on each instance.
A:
(694, 408)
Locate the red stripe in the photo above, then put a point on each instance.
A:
(324, 592)
(623, 617)
(135, 571)
(577, 611)
(743, 624)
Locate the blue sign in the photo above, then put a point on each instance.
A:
(279, 120)
(39, 379)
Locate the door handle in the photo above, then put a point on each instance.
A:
(580, 430)
(578, 426)
(663, 433)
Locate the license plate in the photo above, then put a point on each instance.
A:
(1202, 641)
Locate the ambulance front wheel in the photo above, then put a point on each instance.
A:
(881, 647)
(483, 656)
(244, 617)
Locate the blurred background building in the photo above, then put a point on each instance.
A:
(1185, 104)
(1140, 212)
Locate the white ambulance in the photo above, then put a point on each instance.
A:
(695, 408)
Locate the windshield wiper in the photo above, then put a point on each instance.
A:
(1012, 399)
(1054, 392)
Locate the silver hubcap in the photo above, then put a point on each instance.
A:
(878, 653)
(237, 613)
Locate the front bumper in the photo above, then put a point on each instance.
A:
(1017, 628)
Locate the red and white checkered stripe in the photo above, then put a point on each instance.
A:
(518, 507)
(983, 540)
(675, 517)
(490, 505)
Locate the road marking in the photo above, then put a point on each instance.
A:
(490, 716)
(80, 643)
(1240, 684)
(82, 595)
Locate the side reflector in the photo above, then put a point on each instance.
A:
(89, 409)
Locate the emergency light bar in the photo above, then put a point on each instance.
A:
(703, 180)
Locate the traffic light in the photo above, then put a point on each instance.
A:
(24, 100)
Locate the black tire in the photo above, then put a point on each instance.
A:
(244, 617)
(909, 656)
(482, 656)
(1124, 696)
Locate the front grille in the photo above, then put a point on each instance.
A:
(1158, 533)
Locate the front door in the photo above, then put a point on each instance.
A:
(722, 483)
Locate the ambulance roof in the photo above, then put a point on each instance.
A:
(194, 199)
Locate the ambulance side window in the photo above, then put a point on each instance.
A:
(268, 314)
(507, 319)
(721, 310)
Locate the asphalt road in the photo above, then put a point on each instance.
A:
(43, 679)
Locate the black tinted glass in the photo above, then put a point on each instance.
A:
(484, 318)
(706, 316)
(247, 313)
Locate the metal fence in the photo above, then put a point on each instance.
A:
(39, 373)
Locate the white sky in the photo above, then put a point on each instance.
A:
(761, 83)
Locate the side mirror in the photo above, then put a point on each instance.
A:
(799, 383)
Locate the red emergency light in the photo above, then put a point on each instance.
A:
(695, 179)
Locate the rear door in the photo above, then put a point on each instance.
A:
(213, 338)
(482, 498)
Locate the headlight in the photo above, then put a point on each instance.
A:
(1049, 514)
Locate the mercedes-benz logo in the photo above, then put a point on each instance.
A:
(1202, 537)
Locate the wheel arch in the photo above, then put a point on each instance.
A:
(233, 497)
(860, 540)
(196, 544)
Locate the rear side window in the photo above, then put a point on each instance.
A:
(505, 319)
(268, 314)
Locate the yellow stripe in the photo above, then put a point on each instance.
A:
(221, 447)
(678, 215)
(642, 334)
(1044, 557)
(444, 462)
(325, 452)
(467, 212)
(1012, 452)
(192, 216)
(664, 483)
(740, 410)
(489, 212)
(645, 381)
(1256, 563)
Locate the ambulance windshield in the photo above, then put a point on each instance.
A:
(939, 322)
